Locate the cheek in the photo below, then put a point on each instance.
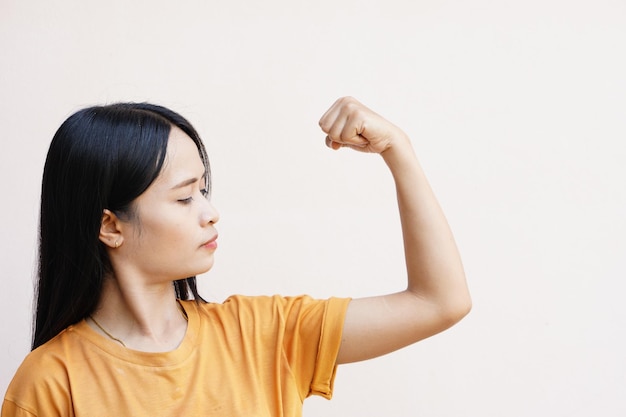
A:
(168, 232)
(165, 235)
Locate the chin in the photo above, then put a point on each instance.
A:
(203, 269)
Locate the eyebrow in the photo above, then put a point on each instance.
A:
(188, 182)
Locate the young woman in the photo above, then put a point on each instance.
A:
(120, 329)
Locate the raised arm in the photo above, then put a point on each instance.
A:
(436, 296)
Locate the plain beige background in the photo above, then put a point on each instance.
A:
(516, 109)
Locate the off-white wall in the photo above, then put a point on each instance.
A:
(516, 108)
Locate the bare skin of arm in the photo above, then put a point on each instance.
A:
(436, 295)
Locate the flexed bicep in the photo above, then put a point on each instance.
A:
(436, 294)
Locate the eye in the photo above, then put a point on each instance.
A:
(204, 192)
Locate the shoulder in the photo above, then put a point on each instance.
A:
(41, 383)
(275, 313)
(271, 307)
(47, 359)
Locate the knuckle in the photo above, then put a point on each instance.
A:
(350, 102)
(324, 125)
(353, 108)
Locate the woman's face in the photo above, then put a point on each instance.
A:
(172, 234)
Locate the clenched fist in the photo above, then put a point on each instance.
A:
(348, 123)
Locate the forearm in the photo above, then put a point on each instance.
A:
(434, 268)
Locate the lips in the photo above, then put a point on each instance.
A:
(211, 243)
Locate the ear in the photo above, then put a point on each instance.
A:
(111, 230)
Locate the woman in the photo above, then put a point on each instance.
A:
(124, 214)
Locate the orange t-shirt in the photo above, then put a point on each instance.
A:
(250, 356)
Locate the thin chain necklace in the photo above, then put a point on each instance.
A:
(105, 332)
(180, 308)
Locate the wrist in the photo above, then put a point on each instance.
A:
(399, 151)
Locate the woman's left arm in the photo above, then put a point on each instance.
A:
(436, 296)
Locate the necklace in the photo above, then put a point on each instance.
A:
(105, 332)
(180, 308)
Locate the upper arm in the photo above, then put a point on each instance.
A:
(378, 325)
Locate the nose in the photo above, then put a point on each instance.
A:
(209, 214)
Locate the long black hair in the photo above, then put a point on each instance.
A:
(101, 157)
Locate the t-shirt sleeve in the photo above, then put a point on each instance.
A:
(10, 409)
(330, 342)
(293, 340)
(311, 342)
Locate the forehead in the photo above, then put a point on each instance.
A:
(182, 159)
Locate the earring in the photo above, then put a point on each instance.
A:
(116, 244)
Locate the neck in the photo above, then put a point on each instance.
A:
(146, 319)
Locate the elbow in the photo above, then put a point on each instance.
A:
(445, 307)
(455, 309)
(463, 308)
(450, 308)
(455, 301)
